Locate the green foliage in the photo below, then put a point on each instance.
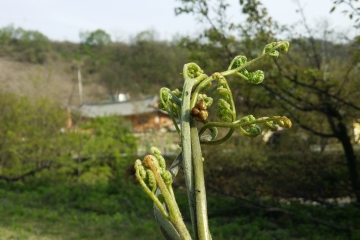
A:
(143, 61)
(107, 149)
(93, 212)
(74, 212)
(96, 38)
(24, 45)
(253, 170)
(33, 138)
(30, 136)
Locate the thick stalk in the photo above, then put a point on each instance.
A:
(186, 150)
(200, 192)
(175, 215)
(167, 228)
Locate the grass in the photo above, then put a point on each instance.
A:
(123, 212)
(63, 213)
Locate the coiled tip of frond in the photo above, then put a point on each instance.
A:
(167, 177)
(285, 122)
(272, 49)
(148, 160)
(284, 47)
(140, 169)
(150, 180)
(256, 77)
(192, 70)
(252, 131)
(237, 62)
(155, 150)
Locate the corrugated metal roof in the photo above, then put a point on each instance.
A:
(127, 108)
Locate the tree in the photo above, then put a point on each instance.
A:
(95, 38)
(320, 80)
(106, 149)
(144, 62)
(34, 138)
(31, 138)
(353, 13)
(30, 46)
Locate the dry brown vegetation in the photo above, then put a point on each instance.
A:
(55, 80)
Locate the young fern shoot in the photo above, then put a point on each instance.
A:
(191, 105)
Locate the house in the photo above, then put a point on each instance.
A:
(151, 126)
(140, 114)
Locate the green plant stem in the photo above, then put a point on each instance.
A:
(220, 141)
(175, 214)
(200, 191)
(237, 124)
(167, 228)
(186, 150)
(235, 70)
(186, 141)
(151, 195)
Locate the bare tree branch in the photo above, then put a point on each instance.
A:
(30, 173)
(304, 109)
(306, 127)
(294, 80)
(311, 38)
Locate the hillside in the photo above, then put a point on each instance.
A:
(56, 80)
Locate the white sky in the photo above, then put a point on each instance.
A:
(65, 19)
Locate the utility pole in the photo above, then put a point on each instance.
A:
(80, 134)
(80, 85)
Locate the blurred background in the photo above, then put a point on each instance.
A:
(79, 83)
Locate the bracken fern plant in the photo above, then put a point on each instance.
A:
(190, 106)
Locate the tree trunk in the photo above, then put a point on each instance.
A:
(344, 138)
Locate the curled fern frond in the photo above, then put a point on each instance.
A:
(169, 100)
(223, 115)
(192, 70)
(251, 131)
(246, 119)
(150, 180)
(225, 111)
(167, 178)
(224, 93)
(251, 77)
(271, 125)
(140, 169)
(171, 103)
(269, 49)
(160, 158)
(283, 122)
(224, 105)
(284, 46)
(238, 61)
(272, 49)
